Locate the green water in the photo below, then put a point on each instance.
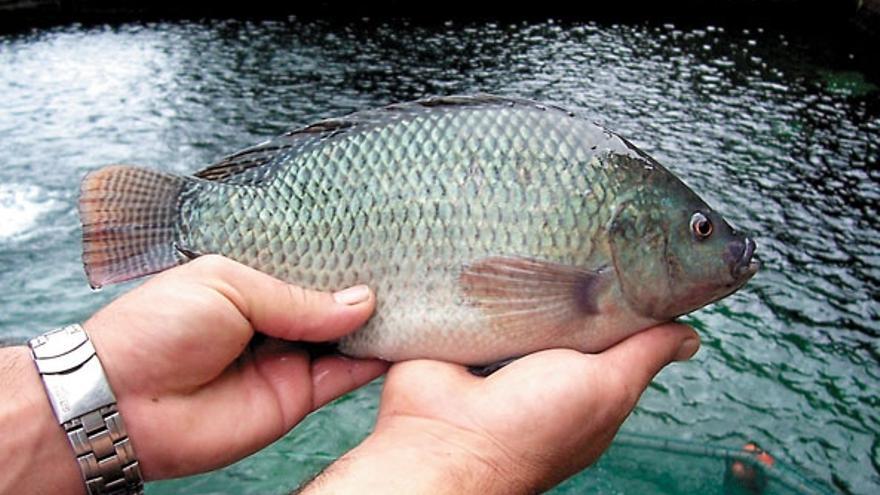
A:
(778, 131)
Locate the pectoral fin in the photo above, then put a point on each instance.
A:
(525, 294)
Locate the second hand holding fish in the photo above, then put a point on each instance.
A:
(524, 429)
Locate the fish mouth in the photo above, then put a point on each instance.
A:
(745, 264)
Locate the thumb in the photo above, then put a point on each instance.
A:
(640, 357)
(284, 310)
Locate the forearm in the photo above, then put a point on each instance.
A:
(34, 451)
(418, 460)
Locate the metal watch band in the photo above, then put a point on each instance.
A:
(86, 408)
(105, 456)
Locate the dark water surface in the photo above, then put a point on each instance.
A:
(777, 131)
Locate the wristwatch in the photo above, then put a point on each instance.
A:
(86, 408)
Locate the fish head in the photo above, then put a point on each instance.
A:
(673, 254)
(707, 259)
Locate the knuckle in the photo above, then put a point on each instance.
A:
(295, 295)
(308, 307)
(300, 298)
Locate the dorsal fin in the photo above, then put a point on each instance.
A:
(253, 165)
(326, 127)
(334, 126)
(480, 99)
(243, 161)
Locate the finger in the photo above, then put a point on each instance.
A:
(281, 391)
(273, 391)
(636, 360)
(334, 376)
(284, 310)
(241, 403)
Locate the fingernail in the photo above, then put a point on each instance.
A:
(687, 349)
(352, 295)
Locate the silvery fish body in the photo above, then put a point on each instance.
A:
(489, 227)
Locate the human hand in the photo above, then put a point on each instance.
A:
(523, 429)
(193, 394)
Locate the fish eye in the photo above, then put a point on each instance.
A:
(701, 226)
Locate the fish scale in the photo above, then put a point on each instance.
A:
(484, 224)
(304, 177)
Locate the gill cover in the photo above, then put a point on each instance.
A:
(665, 268)
(638, 249)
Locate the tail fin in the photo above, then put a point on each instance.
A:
(129, 220)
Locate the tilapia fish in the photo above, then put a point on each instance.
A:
(489, 227)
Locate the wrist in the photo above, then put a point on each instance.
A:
(34, 451)
(416, 455)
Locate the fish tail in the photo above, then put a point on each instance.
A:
(129, 221)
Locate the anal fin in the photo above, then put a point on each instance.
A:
(487, 369)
